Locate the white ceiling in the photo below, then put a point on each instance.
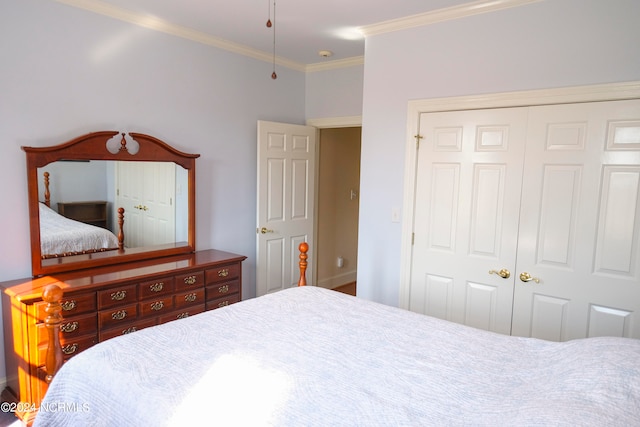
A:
(303, 27)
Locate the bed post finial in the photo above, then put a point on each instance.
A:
(303, 248)
(52, 295)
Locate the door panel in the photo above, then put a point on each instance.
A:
(146, 190)
(579, 223)
(285, 205)
(466, 215)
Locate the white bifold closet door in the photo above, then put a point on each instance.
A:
(546, 195)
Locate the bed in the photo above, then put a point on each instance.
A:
(311, 356)
(61, 236)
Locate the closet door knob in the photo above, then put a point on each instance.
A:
(504, 273)
(265, 230)
(526, 277)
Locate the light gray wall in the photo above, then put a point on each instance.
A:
(65, 72)
(542, 45)
(334, 93)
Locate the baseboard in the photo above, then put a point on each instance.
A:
(339, 280)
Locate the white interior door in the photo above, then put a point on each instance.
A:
(580, 223)
(574, 225)
(146, 190)
(466, 215)
(159, 203)
(129, 194)
(285, 205)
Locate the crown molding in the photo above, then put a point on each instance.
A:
(332, 65)
(152, 23)
(160, 25)
(440, 15)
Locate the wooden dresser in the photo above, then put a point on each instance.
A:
(105, 302)
(94, 213)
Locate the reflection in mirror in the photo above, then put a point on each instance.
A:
(129, 184)
(91, 192)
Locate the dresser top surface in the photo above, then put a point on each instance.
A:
(30, 289)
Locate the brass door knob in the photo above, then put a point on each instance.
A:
(265, 230)
(526, 277)
(504, 273)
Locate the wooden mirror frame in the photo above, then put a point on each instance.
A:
(93, 146)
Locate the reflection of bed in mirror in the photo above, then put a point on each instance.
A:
(62, 236)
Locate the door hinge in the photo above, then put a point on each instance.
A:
(413, 238)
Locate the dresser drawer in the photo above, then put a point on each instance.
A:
(126, 329)
(117, 316)
(70, 347)
(71, 305)
(154, 288)
(184, 299)
(71, 327)
(222, 289)
(117, 296)
(181, 314)
(222, 302)
(156, 307)
(220, 274)
(190, 280)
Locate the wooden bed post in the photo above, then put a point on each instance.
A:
(47, 193)
(121, 227)
(303, 247)
(52, 295)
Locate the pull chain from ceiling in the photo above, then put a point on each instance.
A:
(274, 75)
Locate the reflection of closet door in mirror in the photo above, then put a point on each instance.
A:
(146, 190)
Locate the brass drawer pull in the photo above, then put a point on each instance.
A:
(223, 273)
(119, 315)
(190, 297)
(69, 305)
(69, 349)
(190, 280)
(223, 304)
(118, 296)
(129, 330)
(158, 305)
(183, 315)
(69, 327)
(156, 287)
(223, 289)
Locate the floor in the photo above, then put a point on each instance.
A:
(349, 288)
(7, 419)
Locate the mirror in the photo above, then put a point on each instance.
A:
(148, 181)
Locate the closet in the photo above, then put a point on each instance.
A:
(526, 219)
(147, 192)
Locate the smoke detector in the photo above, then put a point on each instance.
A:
(325, 53)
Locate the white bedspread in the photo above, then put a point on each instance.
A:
(61, 235)
(312, 357)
